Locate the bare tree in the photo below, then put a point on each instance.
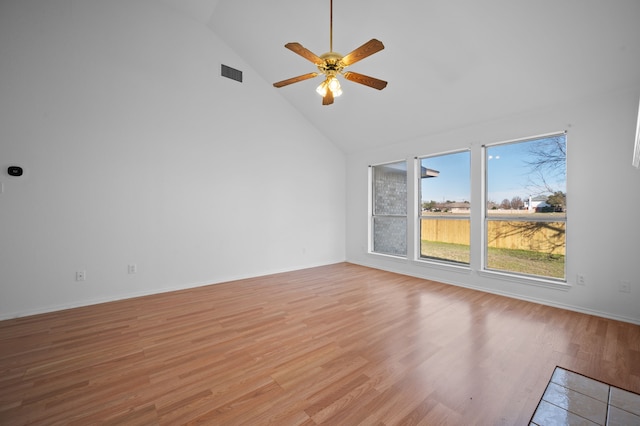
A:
(517, 203)
(547, 164)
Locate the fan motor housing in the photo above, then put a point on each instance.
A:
(331, 64)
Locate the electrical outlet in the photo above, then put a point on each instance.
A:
(581, 280)
(625, 286)
(81, 275)
(133, 268)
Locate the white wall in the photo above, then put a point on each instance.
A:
(136, 150)
(603, 196)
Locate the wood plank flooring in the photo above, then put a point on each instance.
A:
(339, 345)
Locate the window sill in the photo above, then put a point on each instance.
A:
(388, 256)
(446, 266)
(520, 279)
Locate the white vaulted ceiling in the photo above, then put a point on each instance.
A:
(449, 64)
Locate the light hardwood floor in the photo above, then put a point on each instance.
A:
(339, 345)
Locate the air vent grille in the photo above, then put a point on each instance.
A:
(231, 73)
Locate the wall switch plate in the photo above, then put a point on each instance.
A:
(132, 268)
(81, 275)
(625, 286)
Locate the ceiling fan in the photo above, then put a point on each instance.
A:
(331, 64)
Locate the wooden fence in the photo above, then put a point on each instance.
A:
(544, 237)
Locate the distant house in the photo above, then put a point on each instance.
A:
(458, 207)
(535, 204)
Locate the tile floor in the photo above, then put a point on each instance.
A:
(574, 399)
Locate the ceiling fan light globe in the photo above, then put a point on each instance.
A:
(322, 89)
(334, 84)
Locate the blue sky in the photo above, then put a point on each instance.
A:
(508, 175)
(453, 182)
(507, 172)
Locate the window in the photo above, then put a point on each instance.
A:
(389, 209)
(525, 220)
(445, 207)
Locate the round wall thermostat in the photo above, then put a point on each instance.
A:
(15, 171)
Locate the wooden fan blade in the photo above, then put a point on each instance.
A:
(296, 79)
(327, 99)
(365, 79)
(367, 49)
(304, 52)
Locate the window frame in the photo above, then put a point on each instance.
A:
(485, 218)
(373, 214)
(419, 217)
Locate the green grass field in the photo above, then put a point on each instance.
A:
(521, 261)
